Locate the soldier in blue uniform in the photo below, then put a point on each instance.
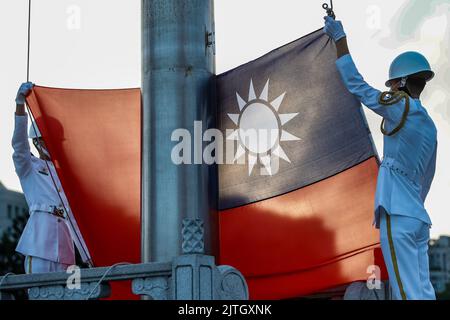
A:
(408, 166)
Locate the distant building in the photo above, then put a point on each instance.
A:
(12, 203)
(439, 253)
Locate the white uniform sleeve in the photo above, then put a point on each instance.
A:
(429, 175)
(366, 94)
(21, 155)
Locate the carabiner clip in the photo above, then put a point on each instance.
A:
(329, 9)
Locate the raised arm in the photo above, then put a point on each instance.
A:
(21, 155)
(353, 80)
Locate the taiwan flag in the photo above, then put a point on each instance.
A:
(296, 194)
(296, 189)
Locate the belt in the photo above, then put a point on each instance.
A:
(57, 212)
(399, 168)
(41, 207)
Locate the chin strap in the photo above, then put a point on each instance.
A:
(403, 82)
(389, 99)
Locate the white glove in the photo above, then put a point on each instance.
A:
(23, 92)
(334, 29)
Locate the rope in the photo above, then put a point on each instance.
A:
(40, 146)
(4, 277)
(389, 99)
(103, 277)
(329, 9)
(29, 37)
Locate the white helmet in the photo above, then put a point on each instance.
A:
(34, 132)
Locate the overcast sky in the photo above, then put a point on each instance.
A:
(96, 44)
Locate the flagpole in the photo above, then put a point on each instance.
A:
(178, 66)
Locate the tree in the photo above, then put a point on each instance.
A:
(444, 295)
(10, 260)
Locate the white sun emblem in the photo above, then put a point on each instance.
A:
(260, 129)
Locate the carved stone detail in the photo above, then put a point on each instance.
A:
(156, 287)
(186, 277)
(232, 284)
(60, 292)
(193, 233)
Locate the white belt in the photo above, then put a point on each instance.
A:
(42, 207)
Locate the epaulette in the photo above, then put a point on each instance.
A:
(390, 98)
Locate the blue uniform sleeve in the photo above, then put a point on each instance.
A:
(21, 155)
(366, 94)
(429, 175)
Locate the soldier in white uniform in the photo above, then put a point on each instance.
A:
(408, 166)
(47, 241)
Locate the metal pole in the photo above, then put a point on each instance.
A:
(178, 88)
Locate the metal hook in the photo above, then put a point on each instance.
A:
(329, 9)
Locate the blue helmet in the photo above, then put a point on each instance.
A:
(407, 64)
